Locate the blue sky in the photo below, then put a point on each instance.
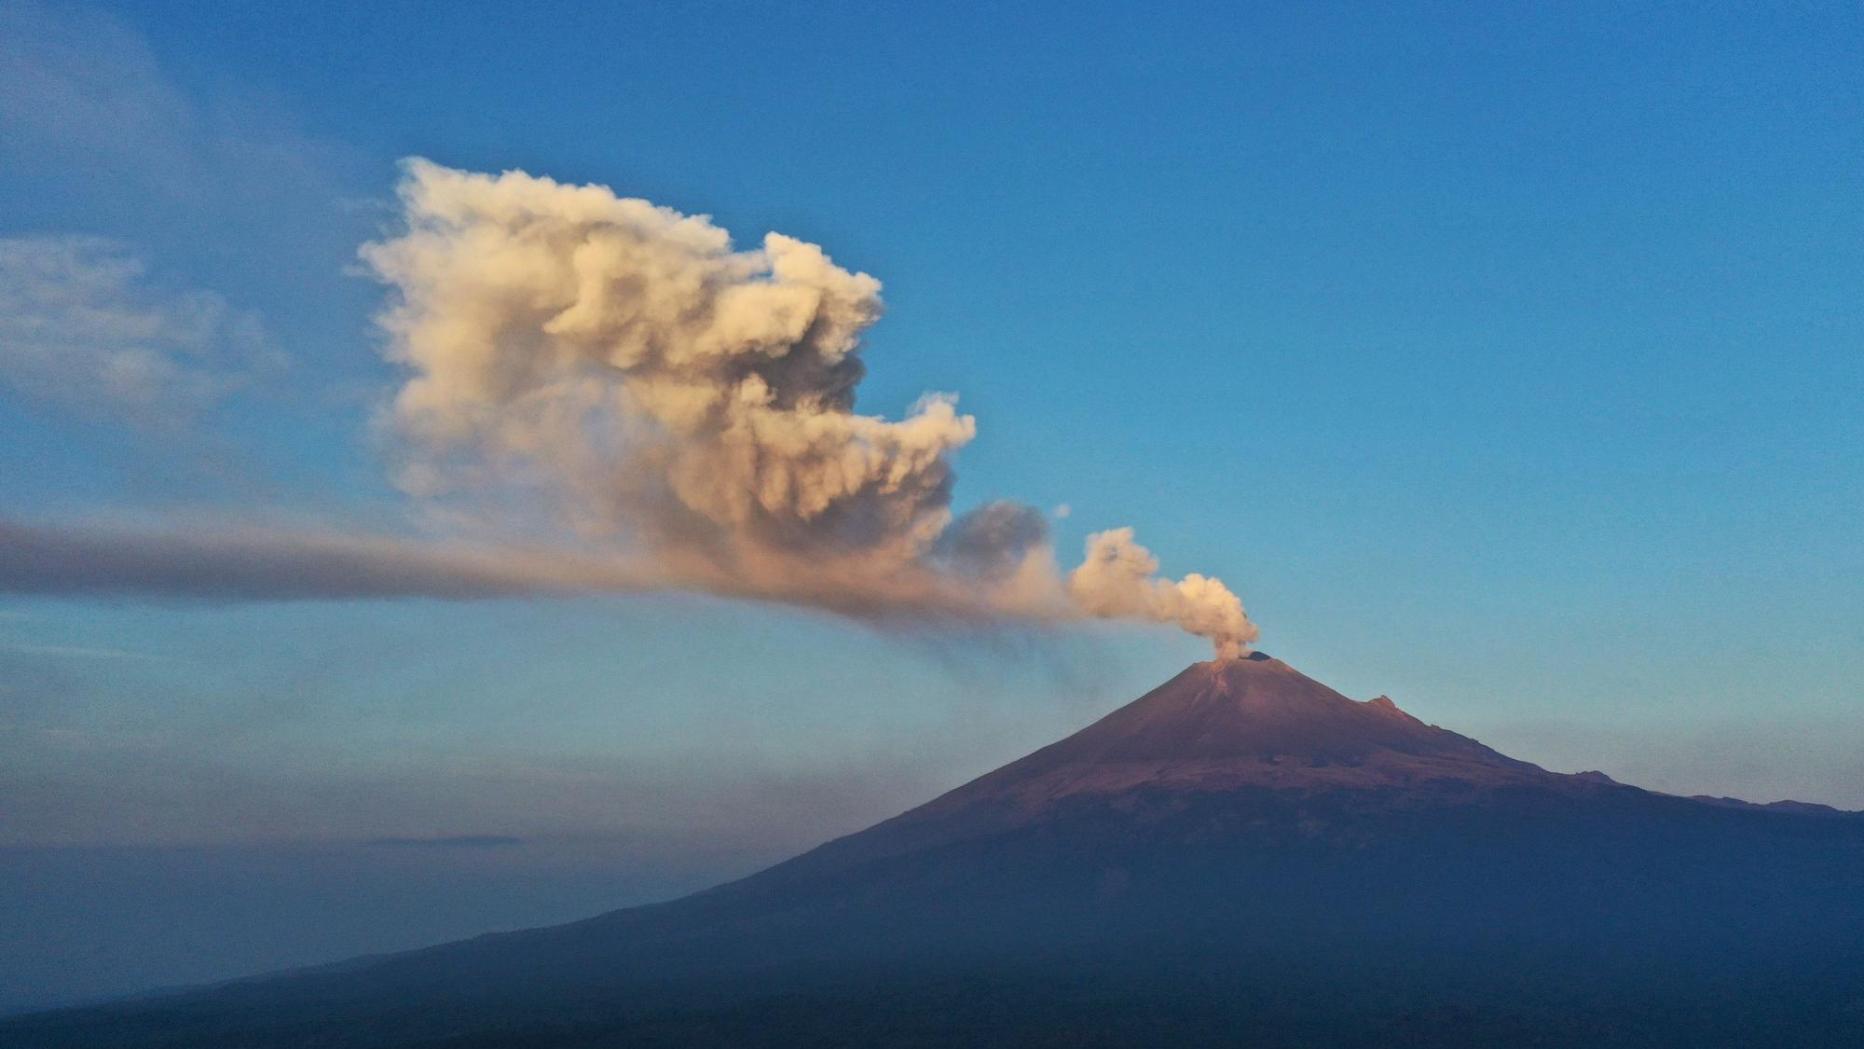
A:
(1505, 361)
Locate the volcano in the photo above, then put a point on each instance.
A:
(1242, 856)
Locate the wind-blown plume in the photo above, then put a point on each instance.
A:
(684, 408)
(693, 405)
(243, 563)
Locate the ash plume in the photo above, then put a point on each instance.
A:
(692, 406)
(669, 411)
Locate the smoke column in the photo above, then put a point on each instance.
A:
(692, 407)
(1119, 579)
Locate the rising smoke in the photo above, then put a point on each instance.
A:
(693, 406)
(1119, 579)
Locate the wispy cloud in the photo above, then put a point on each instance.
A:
(78, 652)
(81, 326)
(84, 81)
(450, 841)
(84, 97)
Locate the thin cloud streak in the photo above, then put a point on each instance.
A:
(449, 841)
(80, 652)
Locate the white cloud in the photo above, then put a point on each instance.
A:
(82, 327)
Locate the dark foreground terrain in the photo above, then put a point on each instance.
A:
(1241, 857)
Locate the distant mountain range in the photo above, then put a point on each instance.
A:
(1242, 856)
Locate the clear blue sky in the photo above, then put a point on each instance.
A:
(1508, 360)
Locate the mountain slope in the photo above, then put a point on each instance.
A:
(1242, 849)
(1217, 727)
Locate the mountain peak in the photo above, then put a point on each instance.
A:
(1253, 710)
(1252, 721)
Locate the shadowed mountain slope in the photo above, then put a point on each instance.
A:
(1241, 856)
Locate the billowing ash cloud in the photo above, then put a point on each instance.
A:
(692, 405)
(681, 414)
